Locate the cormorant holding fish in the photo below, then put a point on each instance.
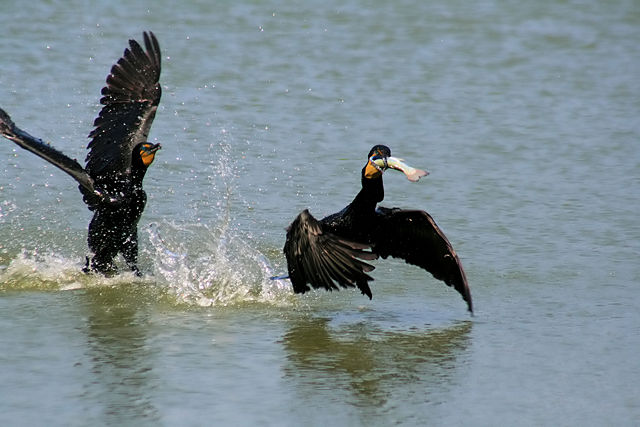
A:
(119, 155)
(332, 250)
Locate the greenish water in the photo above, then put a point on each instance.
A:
(526, 115)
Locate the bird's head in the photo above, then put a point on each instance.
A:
(379, 160)
(146, 153)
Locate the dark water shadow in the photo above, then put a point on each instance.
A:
(372, 368)
(120, 390)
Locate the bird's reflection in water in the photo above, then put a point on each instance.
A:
(122, 385)
(364, 365)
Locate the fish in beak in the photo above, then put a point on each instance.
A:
(412, 173)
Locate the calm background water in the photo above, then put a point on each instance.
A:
(525, 113)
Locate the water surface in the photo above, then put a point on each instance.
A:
(526, 115)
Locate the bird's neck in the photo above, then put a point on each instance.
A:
(370, 195)
(358, 217)
(137, 176)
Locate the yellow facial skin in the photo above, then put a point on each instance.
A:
(148, 153)
(371, 171)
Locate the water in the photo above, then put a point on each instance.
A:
(526, 115)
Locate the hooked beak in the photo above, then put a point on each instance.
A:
(154, 148)
(383, 163)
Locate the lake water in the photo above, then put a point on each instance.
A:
(527, 115)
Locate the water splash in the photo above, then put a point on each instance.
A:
(37, 270)
(213, 266)
(192, 264)
(33, 270)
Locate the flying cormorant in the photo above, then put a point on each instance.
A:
(332, 251)
(119, 155)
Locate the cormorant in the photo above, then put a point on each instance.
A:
(119, 155)
(331, 251)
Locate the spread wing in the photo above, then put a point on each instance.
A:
(323, 259)
(415, 237)
(37, 146)
(130, 100)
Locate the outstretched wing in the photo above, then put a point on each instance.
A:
(9, 130)
(415, 237)
(130, 100)
(323, 259)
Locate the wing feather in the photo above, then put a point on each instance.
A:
(414, 236)
(9, 130)
(130, 100)
(324, 260)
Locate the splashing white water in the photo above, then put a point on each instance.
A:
(204, 265)
(212, 266)
(36, 270)
(196, 264)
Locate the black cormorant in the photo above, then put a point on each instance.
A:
(119, 155)
(334, 250)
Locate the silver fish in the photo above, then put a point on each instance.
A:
(412, 174)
